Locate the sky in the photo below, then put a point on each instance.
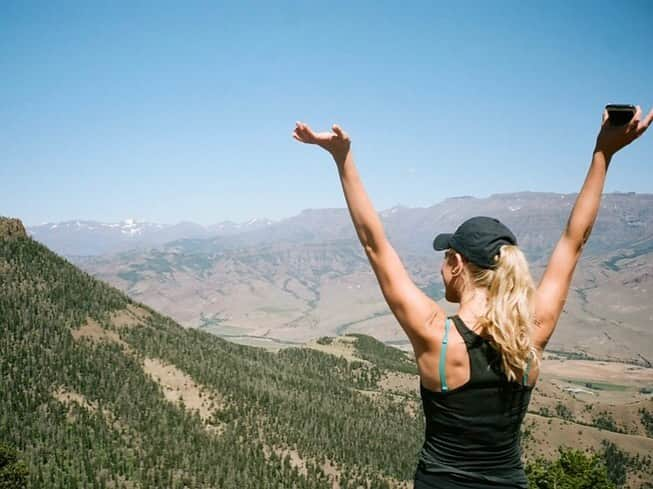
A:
(178, 111)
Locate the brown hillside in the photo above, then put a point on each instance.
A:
(11, 228)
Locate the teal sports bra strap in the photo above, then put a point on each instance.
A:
(528, 366)
(443, 356)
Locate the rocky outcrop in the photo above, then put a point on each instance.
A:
(11, 228)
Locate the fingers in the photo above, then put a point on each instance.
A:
(634, 122)
(339, 132)
(604, 117)
(646, 122)
(296, 133)
(303, 127)
(303, 133)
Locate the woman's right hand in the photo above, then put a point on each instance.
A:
(612, 138)
(336, 142)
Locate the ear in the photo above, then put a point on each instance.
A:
(458, 265)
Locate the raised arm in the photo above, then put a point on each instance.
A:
(411, 307)
(554, 285)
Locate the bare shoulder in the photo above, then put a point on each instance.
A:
(422, 319)
(411, 306)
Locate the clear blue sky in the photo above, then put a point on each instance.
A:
(184, 110)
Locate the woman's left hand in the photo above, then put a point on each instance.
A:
(336, 142)
(612, 138)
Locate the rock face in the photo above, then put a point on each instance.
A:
(11, 228)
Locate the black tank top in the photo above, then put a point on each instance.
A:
(472, 431)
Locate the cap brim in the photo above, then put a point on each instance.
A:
(442, 241)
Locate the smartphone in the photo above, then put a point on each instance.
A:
(620, 115)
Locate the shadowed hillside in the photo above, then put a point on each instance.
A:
(103, 392)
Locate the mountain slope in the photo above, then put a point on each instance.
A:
(291, 293)
(93, 381)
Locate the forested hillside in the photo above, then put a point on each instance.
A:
(83, 402)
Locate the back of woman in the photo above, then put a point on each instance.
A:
(472, 431)
(477, 369)
(478, 389)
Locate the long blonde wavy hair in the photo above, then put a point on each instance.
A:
(510, 313)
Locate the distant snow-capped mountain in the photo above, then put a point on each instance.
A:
(536, 218)
(89, 238)
(130, 227)
(225, 228)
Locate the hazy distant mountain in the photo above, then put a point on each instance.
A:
(226, 228)
(89, 238)
(308, 276)
(536, 218)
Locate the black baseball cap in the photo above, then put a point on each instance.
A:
(478, 239)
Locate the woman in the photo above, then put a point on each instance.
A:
(477, 368)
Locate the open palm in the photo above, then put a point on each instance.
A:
(336, 142)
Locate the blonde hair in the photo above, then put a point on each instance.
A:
(510, 312)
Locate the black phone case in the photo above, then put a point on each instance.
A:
(620, 114)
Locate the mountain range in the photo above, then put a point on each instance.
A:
(88, 238)
(536, 218)
(307, 276)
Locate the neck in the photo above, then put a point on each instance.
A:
(473, 305)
